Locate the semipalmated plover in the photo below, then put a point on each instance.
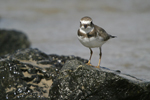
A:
(92, 36)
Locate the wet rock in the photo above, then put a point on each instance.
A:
(29, 73)
(12, 40)
(23, 78)
(77, 81)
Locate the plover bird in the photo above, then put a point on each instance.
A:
(92, 36)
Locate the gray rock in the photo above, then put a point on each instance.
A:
(12, 40)
(78, 81)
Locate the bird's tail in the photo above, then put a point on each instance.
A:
(113, 36)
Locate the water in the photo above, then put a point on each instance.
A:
(51, 26)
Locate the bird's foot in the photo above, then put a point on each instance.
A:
(97, 66)
(89, 64)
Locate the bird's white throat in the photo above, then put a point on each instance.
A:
(87, 30)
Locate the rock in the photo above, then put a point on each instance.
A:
(78, 81)
(30, 74)
(12, 40)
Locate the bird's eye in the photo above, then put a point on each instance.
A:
(91, 23)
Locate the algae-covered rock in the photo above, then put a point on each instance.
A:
(12, 40)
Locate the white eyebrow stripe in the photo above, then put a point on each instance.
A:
(85, 22)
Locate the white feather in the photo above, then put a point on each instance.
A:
(85, 22)
(87, 30)
(91, 42)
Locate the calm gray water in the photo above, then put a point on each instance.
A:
(51, 26)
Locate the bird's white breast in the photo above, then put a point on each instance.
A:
(91, 42)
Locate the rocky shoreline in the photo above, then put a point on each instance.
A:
(30, 74)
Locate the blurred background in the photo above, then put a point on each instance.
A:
(51, 26)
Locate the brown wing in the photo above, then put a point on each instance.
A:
(103, 33)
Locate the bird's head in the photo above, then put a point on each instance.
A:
(86, 24)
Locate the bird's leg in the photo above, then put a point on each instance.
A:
(100, 55)
(91, 52)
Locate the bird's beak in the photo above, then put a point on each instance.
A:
(85, 26)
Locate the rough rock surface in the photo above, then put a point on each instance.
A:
(30, 74)
(11, 40)
(78, 81)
